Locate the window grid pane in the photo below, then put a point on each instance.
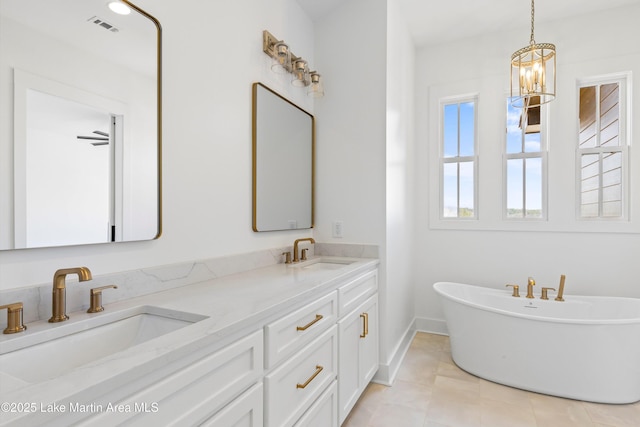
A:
(600, 152)
(524, 164)
(458, 161)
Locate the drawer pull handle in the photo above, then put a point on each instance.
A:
(311, 378)
(310, 324)
(365, 325)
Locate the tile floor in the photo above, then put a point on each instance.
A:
(431, 391)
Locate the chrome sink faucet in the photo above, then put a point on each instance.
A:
(296, 254)
(59, 301)
(530, 284)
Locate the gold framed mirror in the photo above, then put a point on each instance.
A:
(283, 163)
(80, 139)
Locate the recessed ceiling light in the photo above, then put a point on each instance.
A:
(119, 8)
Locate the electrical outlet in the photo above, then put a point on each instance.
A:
(337, 229)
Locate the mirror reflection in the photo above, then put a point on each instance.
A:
(79, 124)
(283, 163)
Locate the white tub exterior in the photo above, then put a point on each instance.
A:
(585, 348)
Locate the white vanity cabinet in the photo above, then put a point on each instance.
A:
(358, 343)
(214, 390)
(304, 366)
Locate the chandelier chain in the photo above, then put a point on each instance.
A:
(532, 41)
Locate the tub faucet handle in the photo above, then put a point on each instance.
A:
(544, 292)
(516, 291)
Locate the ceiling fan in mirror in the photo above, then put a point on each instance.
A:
(101, 139)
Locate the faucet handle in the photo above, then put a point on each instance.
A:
(96, 298)
(304, 254)
(287, 257)
(14, 318)
(544, 292)
(516, 291)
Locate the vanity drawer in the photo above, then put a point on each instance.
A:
(324, 411)
(195, 393)
(246, 410)
(355, 292)
(290, 333)
(293, 387)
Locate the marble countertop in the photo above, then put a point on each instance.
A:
(234, 305)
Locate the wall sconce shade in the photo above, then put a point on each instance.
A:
(316, 89)
(282, 58)
(286, 61)
(533, 72)
(300, 73)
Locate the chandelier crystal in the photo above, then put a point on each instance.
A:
(533, 72)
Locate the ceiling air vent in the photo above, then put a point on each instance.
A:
(102, 23)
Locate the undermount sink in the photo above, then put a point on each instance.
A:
(325, 264)
(49, 352)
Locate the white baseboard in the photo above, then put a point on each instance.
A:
(434, 326)
(387, 371)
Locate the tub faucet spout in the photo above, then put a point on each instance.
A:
(530, 284)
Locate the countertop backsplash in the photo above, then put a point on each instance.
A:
(134, 283)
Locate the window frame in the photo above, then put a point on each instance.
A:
(624, 88)
(543, 154)
(442, 160)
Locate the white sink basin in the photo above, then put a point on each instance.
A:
(325, 264)
(49, 352)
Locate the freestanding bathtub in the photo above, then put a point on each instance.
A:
(585, 348)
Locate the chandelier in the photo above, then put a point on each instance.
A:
(533, 73)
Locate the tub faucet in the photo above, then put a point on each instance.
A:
(296, 254)
(59, 301)
(530, 284)
(516, 291)
(561, 289)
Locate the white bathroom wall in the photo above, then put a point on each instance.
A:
(351, 132)
(365, 150)
(595, 263)
(212, 53)
(400, 184)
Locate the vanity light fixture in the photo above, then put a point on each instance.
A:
(119, 7)
(533, 73)
(286, 62)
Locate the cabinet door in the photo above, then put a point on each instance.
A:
(357, 354)
(368, 350)
(245, 411)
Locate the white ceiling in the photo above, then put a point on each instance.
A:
(434, 22)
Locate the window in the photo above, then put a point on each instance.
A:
(458, 159)
(602, 149)
(524, 163)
